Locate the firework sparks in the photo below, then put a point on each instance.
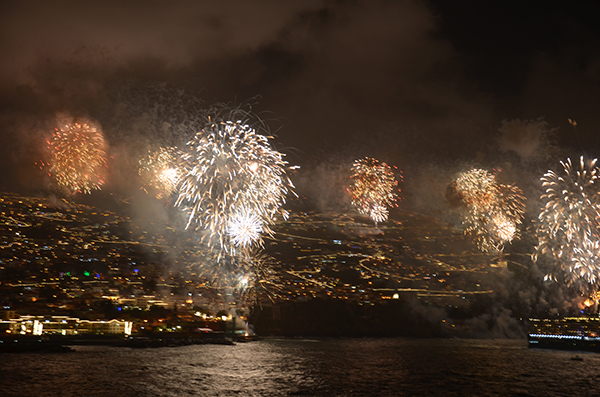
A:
(78, 157)
(244, 228)
(260, 277)
(477, 188)
(248, 275)
(160, 171)
(502, 229)
(379, 213)
(493, 210)
(373, 188)
(229, 166)
(568, 224)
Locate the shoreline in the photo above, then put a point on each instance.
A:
(20, 343)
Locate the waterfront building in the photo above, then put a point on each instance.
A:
(63, 325)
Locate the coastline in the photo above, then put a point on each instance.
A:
(60, 344)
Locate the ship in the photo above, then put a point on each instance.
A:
(568, 333)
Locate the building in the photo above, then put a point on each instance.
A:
(63, 325)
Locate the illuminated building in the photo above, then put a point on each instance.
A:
(63, 325)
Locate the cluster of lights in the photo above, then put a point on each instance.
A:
(556, 336)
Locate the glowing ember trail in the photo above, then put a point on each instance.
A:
(78, 157)
(373, 188)
(568, 225)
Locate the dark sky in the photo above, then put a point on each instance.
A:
(399, 80)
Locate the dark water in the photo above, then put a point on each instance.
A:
(306, 367)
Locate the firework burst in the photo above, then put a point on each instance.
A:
(230, 169)
(249, 275)
(373, 188)
(77, 157)
(259, 277)
(493, 210)
(568, 224)
(160, 171)
(244, 228)
(477, 188)
(501, 228)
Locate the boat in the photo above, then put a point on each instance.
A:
(568, 333)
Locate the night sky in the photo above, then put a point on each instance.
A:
(411, 82)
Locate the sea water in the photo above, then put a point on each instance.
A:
(306, 367)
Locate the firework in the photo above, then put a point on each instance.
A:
(502, 228)
(477, 188)
(160, 171)
(493, 210)
(259, 276)
(244, 228)
(568, 224)
(78, 157)
(228, 167)
(379, 213)
(373, 188)
(249, 275)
